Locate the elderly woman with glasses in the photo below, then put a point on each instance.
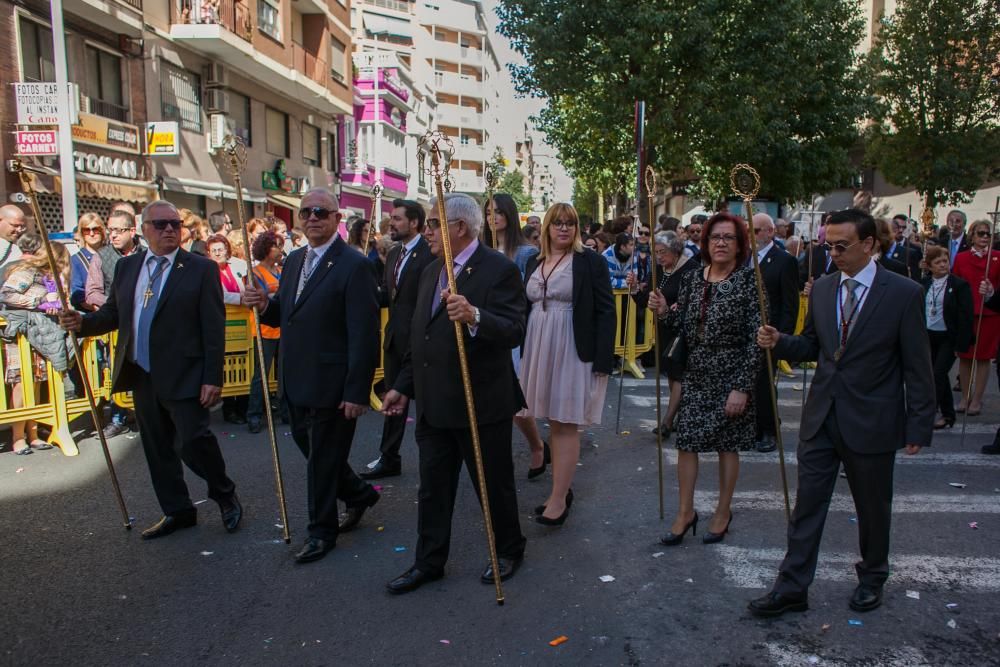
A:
(91, 237)
(717, 318)
(971, 266)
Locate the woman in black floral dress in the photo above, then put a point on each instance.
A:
(717, 316)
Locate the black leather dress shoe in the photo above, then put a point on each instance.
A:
(991, 449)
(313, 549)
(508, 566)
(354, 514)
(232, 512)
(776, 604)
(170, 523)
(411, 580)
(381, 470)
(866, 597)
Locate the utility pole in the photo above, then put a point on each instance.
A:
(67, 170)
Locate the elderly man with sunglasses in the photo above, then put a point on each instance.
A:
(166, 305)
(327, 308)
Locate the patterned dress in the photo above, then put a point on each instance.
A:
(719, 322)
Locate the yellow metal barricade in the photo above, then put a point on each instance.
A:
(627, 344)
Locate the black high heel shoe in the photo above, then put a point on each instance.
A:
(540, 509)
(558, 521)
(672, 540)
(946, 422)
(712, 538)
(546, 459)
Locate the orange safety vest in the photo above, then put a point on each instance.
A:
(271, 282)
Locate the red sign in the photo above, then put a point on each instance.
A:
(41, 142)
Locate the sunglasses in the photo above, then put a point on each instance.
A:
(982, 234)
(839, 247)
(162, 223)
(434, 223)
(318, 211)
(91, 230)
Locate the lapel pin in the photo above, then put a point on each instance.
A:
(180, 266)
(329, 264)
(469, 270)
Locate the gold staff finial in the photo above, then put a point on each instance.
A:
(745, 182)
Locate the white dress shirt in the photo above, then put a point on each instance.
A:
(935, 304)
(762, 253)
(865, 278)
(145, 273)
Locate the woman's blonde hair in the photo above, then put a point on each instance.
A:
(555, 212)
(87, 219)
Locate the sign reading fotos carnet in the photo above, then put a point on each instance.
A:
(163, 138)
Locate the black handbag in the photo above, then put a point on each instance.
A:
(678, 352)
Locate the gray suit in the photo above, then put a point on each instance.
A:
(877, 398)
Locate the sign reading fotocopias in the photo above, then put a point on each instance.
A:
(98, 131)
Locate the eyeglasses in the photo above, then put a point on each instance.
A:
(114, 231)
(722, 239)
(90, 231)
(643, 232)
(161, 224)
(434, 223)
(563, 224)
(839, 247)
(318, 211)
(758, 230)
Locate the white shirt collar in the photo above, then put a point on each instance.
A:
(171, 256)
(762, 253)
(866, 276)
(411, 244)
(320, 250)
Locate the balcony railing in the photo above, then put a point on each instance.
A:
(234, 15)
(309, 64)
(104, 109)
(396, 5)
(135, 4)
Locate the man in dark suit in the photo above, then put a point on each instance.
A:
(327, 308)
(491, 307)
(873, 394)
(902, 250)
(403, 266)
(166, 305)
(779, 271)
(952, 235)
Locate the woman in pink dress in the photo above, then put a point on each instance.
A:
(568, 347)
(970, 265)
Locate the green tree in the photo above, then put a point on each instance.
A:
(935, 71)
(721, 85)
(512, 183)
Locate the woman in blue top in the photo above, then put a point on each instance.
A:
(90, 236)
(512, 243)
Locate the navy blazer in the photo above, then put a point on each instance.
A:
(187, 340)
(329, 336)
(883, 385)
(780, 273)
(401, 298)
(593, 309)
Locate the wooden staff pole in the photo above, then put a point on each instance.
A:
(650, 193)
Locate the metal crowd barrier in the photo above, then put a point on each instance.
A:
(628, 344)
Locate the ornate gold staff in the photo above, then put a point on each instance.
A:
(376, 198)
(432, 143)
(650, 193)
(21, 169)
(745, 182)
(491, 184)
(236, 152)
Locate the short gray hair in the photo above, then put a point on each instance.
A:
(672, 242)
(159, 203)
(460, 206)
(325, 192)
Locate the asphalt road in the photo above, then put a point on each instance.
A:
(78, 589)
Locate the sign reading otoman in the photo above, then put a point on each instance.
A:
(44, 142)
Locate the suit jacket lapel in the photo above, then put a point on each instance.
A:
(323, 266)
(418, 252)
(128, 288)
(176, 275)
(431, 291)
(391, 260)
(875, 295)
(469, 268)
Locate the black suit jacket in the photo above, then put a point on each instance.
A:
(187, 341)
(944, 240)
(780, 272)
(892, 265)
(431, 373)
(329, 337)
(819, 266)
(883, 385)
(910, 255)
(401, 298)
(957, 313)
(593, 309)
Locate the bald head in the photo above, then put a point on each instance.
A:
(763, 229)
(12, 222)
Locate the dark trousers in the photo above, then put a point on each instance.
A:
(255, 401)
(762, 399)
(176, 431)
(942, 359)
(442, 452)
(324, 436)
(393, 428)
(870, 479)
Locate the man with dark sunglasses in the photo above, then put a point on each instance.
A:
(327, 308)
(166, 305)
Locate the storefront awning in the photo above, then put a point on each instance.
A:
(378, 24)
(293, 202)
(191, 186)
(93, 185)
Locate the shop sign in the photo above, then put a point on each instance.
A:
(163, 138)
(105, 165)
(42, 142)
(99, 131)
(38, 103)
(279, 179)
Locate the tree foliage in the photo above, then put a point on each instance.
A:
(512, 182)
(767, 82)
(936, 73)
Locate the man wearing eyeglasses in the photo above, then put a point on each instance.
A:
(327, 308)
(166, 305)
(490, 306)
(872, 395)
(12, 225)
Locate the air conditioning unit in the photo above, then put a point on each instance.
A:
(217, 131)
(216, 101)
(216, 75)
